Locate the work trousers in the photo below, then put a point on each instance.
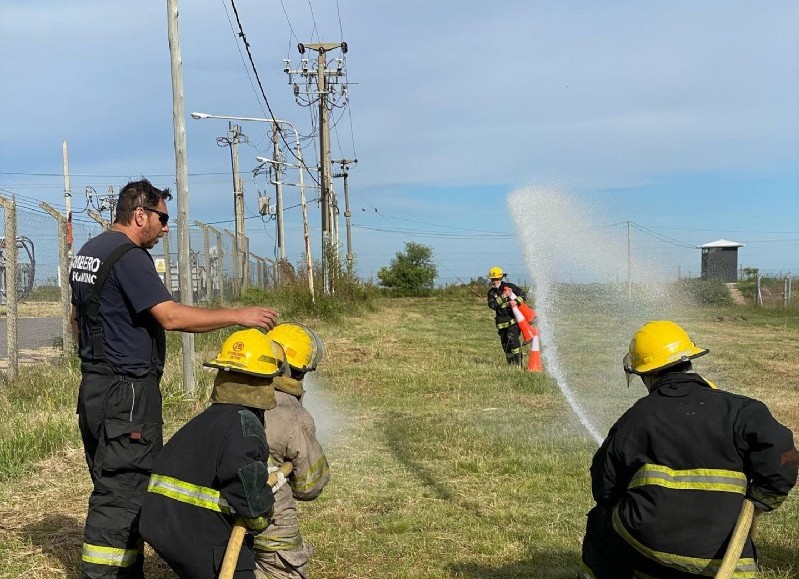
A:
(284, 564)
(511, 345)
(121, 425)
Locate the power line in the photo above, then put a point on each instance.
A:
(261, 86)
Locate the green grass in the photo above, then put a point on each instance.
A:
(446, 462)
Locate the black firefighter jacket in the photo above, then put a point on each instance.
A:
(211, 471)
(503, 314)
(676, 466)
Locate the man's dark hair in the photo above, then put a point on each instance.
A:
(138, 194)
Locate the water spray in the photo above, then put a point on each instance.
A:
(562, 240)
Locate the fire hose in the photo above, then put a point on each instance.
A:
(240, 529)
(740, 533)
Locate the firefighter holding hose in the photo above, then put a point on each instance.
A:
(281, 552)
(213, 472)
(500, 295)
(672, 475)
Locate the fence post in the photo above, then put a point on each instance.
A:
(220, 263)
(236, 265)
(259, 267)
(12, 313)
(209, 285)
(63, 271)
(785, 293)
(167, 264)
(759, 294)
(106, 225)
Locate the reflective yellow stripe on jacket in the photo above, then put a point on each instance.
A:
(312, 477)
(113, 556)
(744, 569)
(188, 493)
(696, 479)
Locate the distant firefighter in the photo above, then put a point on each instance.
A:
(674, 472)
(500, 302)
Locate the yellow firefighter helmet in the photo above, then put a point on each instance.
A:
(657, 345)
(251, 352)
(496, 273)
(304, 349)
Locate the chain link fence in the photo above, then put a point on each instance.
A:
(34, 267)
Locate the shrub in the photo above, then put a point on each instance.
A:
(411, 273)
(711, 292)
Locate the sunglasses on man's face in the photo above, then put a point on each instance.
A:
(162, 217)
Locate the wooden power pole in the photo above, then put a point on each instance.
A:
(182, 178)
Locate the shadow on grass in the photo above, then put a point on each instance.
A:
(61, 537)
(777, 558)
(397, 431)
(539, 565)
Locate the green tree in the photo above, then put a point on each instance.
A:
(410, 272)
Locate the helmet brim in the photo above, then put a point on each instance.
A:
(644, 369)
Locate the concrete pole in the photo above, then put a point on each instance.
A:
(236, 280)
(281, 249)
(629, 263)
(240, 262)
(168, 267)
(12, 314)
(220, 262)
(307, 235)
(111, 203)
(67, 194)
(347, 213)
(105, 224)
(63, 272)
(209, 285)
(182, 177)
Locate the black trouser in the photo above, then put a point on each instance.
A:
(121, 426)
(607, 556)
(511, 345)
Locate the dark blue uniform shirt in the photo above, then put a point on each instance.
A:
(133, 339)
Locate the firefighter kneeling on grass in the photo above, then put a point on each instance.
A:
(507, 328)
(280, 551)
(671, 477)
(214, 469)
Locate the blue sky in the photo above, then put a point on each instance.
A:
(680, 117)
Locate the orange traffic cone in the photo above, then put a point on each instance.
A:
(534, 363)
(524, 326)
(527, 311)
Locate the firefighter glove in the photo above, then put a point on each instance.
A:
(281, 478)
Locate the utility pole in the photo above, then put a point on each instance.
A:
(347, 213)
(240, 262)
(111, 203)
(67, 198)
(629, 263)
(278, 171)
(326, 80)
(182, 178)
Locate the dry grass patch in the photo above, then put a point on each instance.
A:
(446, 463)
